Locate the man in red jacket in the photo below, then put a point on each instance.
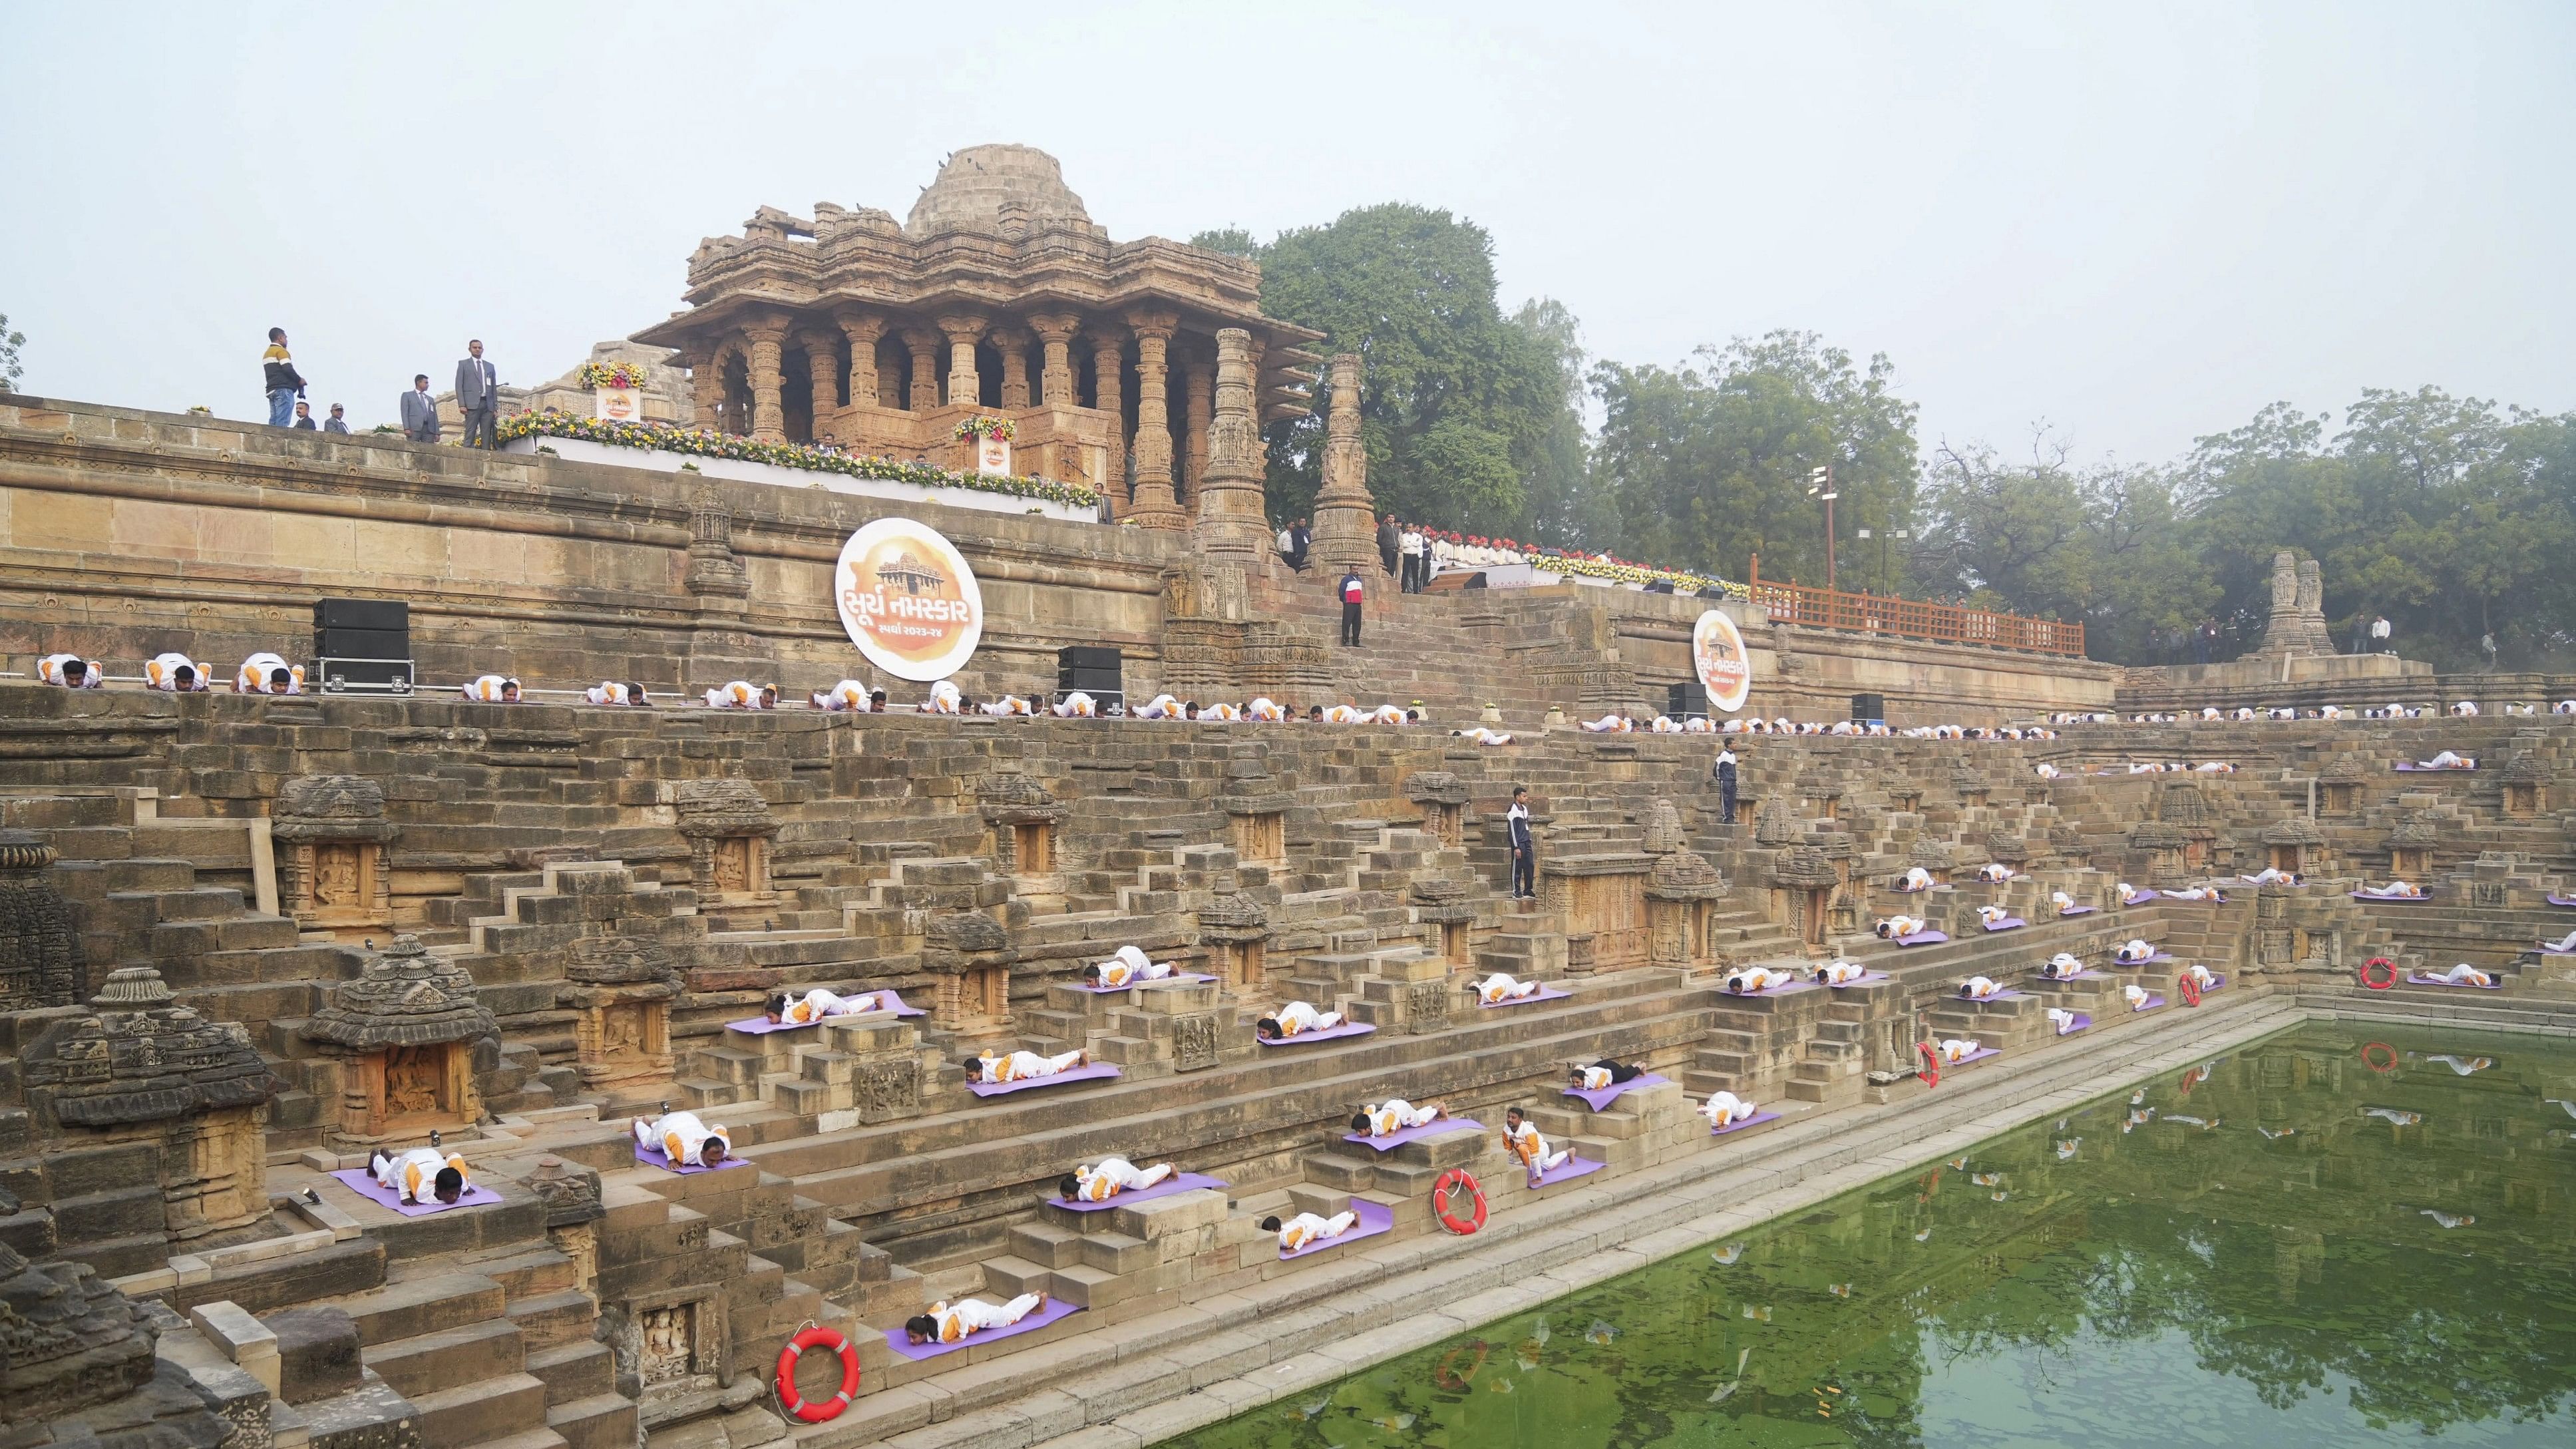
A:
(1352, 590)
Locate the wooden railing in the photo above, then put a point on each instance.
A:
(1911, 618)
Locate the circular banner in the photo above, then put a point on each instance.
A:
(908, 599)
(1725, 666)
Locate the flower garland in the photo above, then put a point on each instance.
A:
(610, 374)
(1604, 566)
(983, 424)
(556, 423)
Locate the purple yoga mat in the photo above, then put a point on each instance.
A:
(2139, 899)
(656, 1157)
(2081, 1021)
(2418, 978)
(1375, 1218)
(1567, 1171)
(2393, 900)
(357, 1180)
(1979, 1055)
(1601, 1099)
(2548, 950)
(1394, 1140)
(2087, 974)
(762, 1025)
(2008, 923)
(2413, 768)
(1791, 989)
(2556, 899)
(1923, 938)
(2076, 911)
(1862, 979)
(1756, 1120)
(1132, 985)
(1093, 1072)
(1055, 1308)
(1177, 1182)
(1544, 993)
(2007, 994)
(1348, 1028)
(2151, 1003)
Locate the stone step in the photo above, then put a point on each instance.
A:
(469, 1352)
(476, 1413)
(420, 1306)
(596, 1421)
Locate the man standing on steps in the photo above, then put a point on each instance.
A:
(1410, 546)
(1352, 592)
(478, 387)
(1389, 537)
(1724, 770)
(1524, 848)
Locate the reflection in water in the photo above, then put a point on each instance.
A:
(2320, 1240)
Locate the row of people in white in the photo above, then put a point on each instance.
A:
(176, 673)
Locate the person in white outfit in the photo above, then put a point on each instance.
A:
(952, 1322)
(1161, 706)
(1746, 980)
(1483, 736)
(684, 1139)
(1724, 1109)
(422, 1175)
(1500, 987)
(1009, 706)
(611, 692)
(491, 689)
(1917, 880)
(1993, 915)
(1956, 1049)
(1994, 873)
(1980, 988)
(945, 698)
(1076, 705)
(847, 697)
(2137, 996)
(70, 671)
(1125, 968)
(822, 1001)
(2564, 945)
(2395, 888)
(1294, 1019)
(1109, 1177)
(175, 673)
(2063, 966)
(2133, 951)
(2447, 761)
(2046, 771)
(2271, 875)
(742, 694)
(2062, 1019)
(1609, 724)
(266, 673)
(1394, 1115)
(1308, 1228)
(2465, 974)
(1531, 1148)
(1897, 927)
(993, 1070)
(1840, 973)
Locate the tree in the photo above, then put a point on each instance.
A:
(10, 342)
(1465, 413)
(1709, 463)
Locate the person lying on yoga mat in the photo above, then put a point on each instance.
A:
(424, 1174)
(2462, 1067)
(2200, 976)
(684, 1139)
(2137, 996)
(1395, 1114)
(1836, 973)
(1956, 1049)
(2061, 1019)
(2447, 761)
(2464, 974)
(2063, 966)
(1295, 1017)
(1994, 872)
(2213, 767)
(1898, 926)
(1502, 987)
(820, 1002)
(1993, 915)
(2195, 893)
(1109, 1177)
(1916, 879)
(994, 1070)
(1531, 1148)
(2394, 1117)
(950, 1322)
(1126, 968)
(1609, 724)
(2563, 945)
(1605, 1073)
(1076, 705)
(2127, 890)
(2061, 900)
(2448, 1220)
(1724, 1109)
(2047, 771)
(1980, 988)
(2132, 952)
(1307, 1228)
(1745, 980)
(1484, 736)
(2395, 888)
(2271, 875)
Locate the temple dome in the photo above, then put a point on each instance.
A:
(996, 191)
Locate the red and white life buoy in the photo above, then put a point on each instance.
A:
(2191, 991)
(1444, 1201)
(1931, 1072)
(795, 1349)
(2383, 1063)
(2381, 982)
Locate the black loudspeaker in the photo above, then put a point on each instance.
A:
(388, 614)
(1686, 700)
(1097, 670)
(1659, 586)
(1869, 709)
(1712, 592)
(362, 643)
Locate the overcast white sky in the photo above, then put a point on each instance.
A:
(2137, 223)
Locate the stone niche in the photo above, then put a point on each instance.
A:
(970, 956)
(1443, 798)
(2410, 846)
(1935, 857)
(1602, 896)
(1803, 881)
(1234, 926)
(39, 946)
(2526, 791)
(2163, 846)
(1256, 806)
(1443, 907)
(729, 828)
(406, 1034)
(2339, 787)
(2295, 846)
(332, 870)
(1682, 892)
(620, 989)
(1024, 818)
(141, 1068)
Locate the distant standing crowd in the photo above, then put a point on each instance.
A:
(478, 393)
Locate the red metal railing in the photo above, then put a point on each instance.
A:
(1911, 618)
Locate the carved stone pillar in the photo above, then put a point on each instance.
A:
(1155, 507)
(768, 409)
(1198, 409)
(965, 389)
(39, 948)
(1345, 524)
(923, 394)
(714, 568)
(823, 369)
(332, 870)
(1231, 523)
(729, 828)
(706, 383)
(1055, 378)
(1109, 366)
(1013, 344)
(862, 329)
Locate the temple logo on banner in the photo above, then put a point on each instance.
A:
(908, 600)
(617, 404)
(1725, 665)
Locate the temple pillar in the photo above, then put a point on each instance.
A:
(1154, 507)
(1231, 523)
(706, 383)
(1198, 383)
(1345, 525)
(1108, 362)
(922, 393)
(965, 389)
(1013, 344)
(862, 330)
(1055, 377)
(768, 409)
(823, 369)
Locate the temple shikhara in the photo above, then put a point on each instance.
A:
(364, 1049)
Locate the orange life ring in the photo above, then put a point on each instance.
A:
(2381, 983)
(1455, 1180)
(1931, 1071)
(2190, 990)
(830, 1408)
(1448, 1378)
(2383, 1068)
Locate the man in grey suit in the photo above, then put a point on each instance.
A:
(420, 411)
(478, 389)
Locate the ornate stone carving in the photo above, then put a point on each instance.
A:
(1426, 1005)
(1435, 787)
(1229, 501)
(404, 996)
(39, 951)
(621, 989)
(1664, 833)
(2006, 847)
(68, 1342)
(1803, 867)
(142, 1058)
(2415, 830)
(714, 569)
(1345, 515)
(887, 1088)
(2180, 803)
(1778, 824)
(1230, 914)
(1012, 798)
(728, 826)
(1194, 1041)
(570, 1192)
(1931, 854)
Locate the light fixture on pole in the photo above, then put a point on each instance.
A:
(1820, 484)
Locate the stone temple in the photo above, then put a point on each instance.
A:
(246, 939)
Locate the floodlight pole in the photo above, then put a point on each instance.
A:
(1820, 483)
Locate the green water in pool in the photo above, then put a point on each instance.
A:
(2335, 1236)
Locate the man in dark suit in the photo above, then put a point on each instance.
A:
(420, 411)
(478, 389)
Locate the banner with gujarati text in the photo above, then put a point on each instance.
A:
(1725, 666)
(908, 600)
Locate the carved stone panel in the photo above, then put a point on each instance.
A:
(889, 1088)
(1194, 1041)
(1426, 1005)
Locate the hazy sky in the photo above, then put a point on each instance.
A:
(2135, 223)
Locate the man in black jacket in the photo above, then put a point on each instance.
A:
(1524, 847)
(1390, 536)
(1724, 771)
(283, 383)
